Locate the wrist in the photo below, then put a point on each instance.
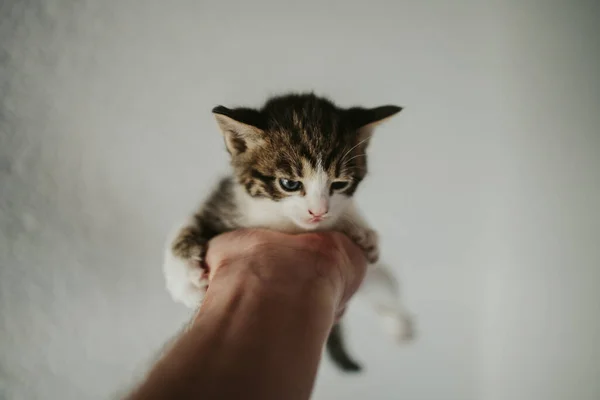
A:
(242, 308)
(252, 279)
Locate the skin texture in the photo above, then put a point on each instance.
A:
(272, 301)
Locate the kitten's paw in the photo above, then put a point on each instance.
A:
(399, 326)
(198, 276)
(186, 281)
(185, 276)
(368, 241)
(187, 249)
(190, 296)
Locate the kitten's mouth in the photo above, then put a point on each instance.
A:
(308, 223)
(313, 222)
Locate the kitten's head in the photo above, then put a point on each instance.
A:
(302, 152)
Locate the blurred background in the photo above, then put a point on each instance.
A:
(485, 190)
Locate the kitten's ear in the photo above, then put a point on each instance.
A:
(364, 120)
(241, 127)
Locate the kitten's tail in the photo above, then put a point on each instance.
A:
(337, 351)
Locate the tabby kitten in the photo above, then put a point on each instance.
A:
(296, 162)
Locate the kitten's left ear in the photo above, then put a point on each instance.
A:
(364, 120)
(241, 127)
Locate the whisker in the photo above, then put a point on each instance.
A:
(346, 169)
(356, 156)
(358, 144)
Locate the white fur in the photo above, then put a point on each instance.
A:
(263, 213)
(317, 199)
(184, 278)
(181, 277)
(317, 192)
(291, 213)
(382, 291)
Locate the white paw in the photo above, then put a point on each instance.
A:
(399, 326)
(186, 281)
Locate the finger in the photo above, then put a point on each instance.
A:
(340, 313)
(354, 266)
(225, 245)
(237, 244)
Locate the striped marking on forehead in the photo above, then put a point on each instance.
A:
(316, 179)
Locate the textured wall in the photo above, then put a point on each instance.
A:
(106, 139)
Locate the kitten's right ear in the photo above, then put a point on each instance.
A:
(241, 127)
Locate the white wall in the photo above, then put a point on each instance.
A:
(541, 320)
(485, 189)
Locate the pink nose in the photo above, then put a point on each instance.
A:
(318, 213)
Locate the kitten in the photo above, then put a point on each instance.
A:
(296, 162)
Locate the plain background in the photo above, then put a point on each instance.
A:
(486, 189)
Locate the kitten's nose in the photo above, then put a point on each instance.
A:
(318, 212)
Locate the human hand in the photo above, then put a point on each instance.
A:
(289, 262)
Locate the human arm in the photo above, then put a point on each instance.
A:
(259, 334)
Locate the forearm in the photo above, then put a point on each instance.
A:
(251, 339)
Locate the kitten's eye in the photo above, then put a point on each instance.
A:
(339, 185)
(289, 186)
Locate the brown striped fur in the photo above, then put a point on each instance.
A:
(299, 137)
(289, 135)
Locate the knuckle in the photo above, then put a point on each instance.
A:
(252, 239)
(320, 242)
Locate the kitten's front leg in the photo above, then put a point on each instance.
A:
(354, 226)
(368, 240)
(185, 273)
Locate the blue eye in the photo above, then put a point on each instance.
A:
(289, 186)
